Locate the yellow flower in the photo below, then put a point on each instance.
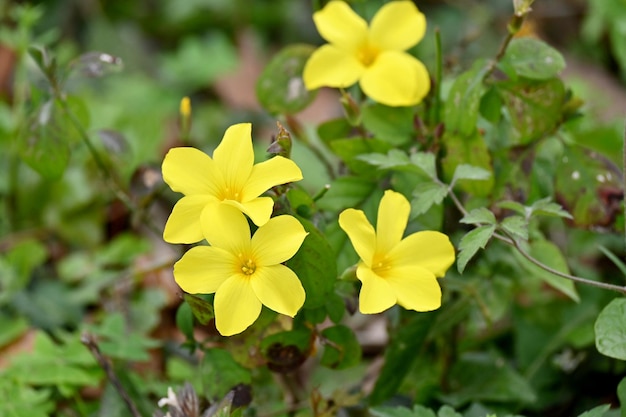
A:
(244, 272)
(372, 55)
(230, 177)
(392, 269)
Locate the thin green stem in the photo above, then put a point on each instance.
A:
(438, 78)
(514, 25)
(513, 242)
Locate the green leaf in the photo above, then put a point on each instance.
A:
(491, 105)
(426, 194)
(43, 142)
(68, 364)
(17, 400)
(463, 102)
(447, 411)
(471, 242)
(484, 377)
(533, 58)
(515, 206)
(469, 172)
(201, 309)
(546, 207)
(598, 411)
(118, 341)
(481, 215)
(315, 265)
(184, 320)
(395, 158)
(467, 150)
(347, 192)
(550, 255)
(610, 330)
(393, 125)
(188, 66)
(122, 250)
(350, 149)
(621, 395)
(426, 162)
(405, 344)
(534, 108)
(221, 373)
(515, 226)
(341, 349)
(280, 88)
(417, 411)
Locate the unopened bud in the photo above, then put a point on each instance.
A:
(185, 117)
(282, 143)
(350, 108)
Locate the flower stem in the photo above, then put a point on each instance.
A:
(513, 242)
(436, 109)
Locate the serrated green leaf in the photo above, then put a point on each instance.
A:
(117, 341)
(546, 207)
(447, 411)
(462, 106)
(469, 172)
(280, 88)
(513, 205)
(515, 226)
(598, 411)
(534, 59)
(427, 194)
(17, 400)
(481, 215)
(471, 242)
(610, 330)
(315, 265)
(426, 162)
(394, 159)
(550, 255)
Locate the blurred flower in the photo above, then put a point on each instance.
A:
(392, 269)
(372, 55)
(244, 272)
(230, 177)
(185, 403)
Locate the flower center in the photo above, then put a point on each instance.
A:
(381, 265)
(367, 54)
(248, 267)
(231, 194)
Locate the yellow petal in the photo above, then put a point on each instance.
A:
(398, 25)
(226, 227)
(183, 225)
(202, 269)
(376, 294)
(277, 240)
(393, 215)
(340, 25)
(429, 250)
(416, 288)
(278, 288)
(234, 156)
(268, 174)
(396, 79)
(360, 232)
(236, 306)
(259, 209)
(191, 171)
(329, 66)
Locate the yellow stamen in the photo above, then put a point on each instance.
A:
(367, 54)
(248, 267)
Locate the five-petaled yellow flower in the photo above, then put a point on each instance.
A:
(244, 272)
(374, 56)
(392, 269)
(230, 177)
